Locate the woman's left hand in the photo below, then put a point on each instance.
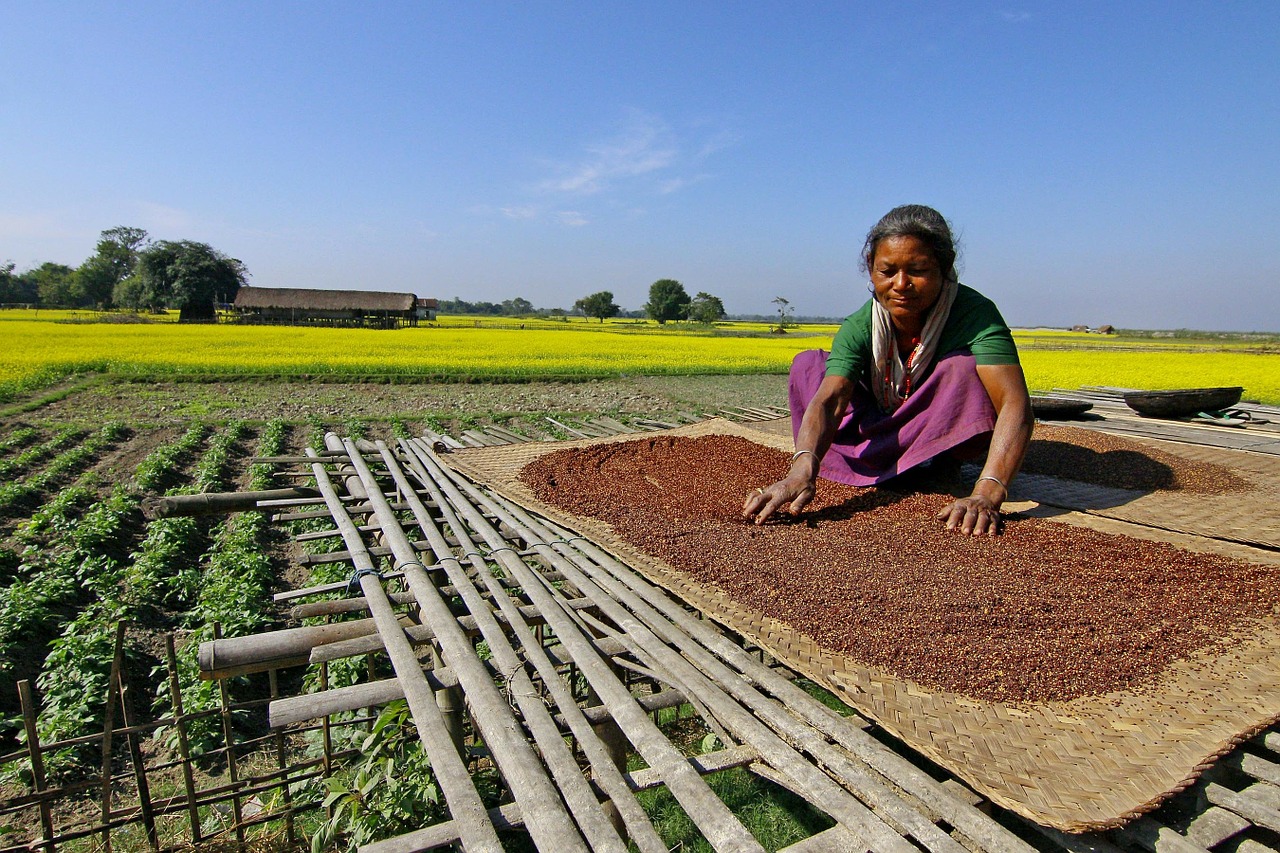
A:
(972, 516)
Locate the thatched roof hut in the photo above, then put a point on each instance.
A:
(311, 306)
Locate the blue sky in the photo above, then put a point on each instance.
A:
(1102, 162)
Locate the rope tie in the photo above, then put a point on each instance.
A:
(353, 584)
(491, 553)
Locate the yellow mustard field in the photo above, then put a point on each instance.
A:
(34, 352)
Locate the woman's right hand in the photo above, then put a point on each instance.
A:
(794, 493)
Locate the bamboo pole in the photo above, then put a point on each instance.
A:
(544, 812)
(37, 763)
(473, 826)
(211, 503)
(139, 766)
(108, 724)
(228, 735)
(184, 748)
(720, 827)
(274, 649)
(595, 822)
(282, 762)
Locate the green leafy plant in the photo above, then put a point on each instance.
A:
(390, 791)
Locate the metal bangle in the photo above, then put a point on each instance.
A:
(994, 480)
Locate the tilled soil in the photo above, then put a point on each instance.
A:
(1110, 460)
(1043, 612)
(264, 399)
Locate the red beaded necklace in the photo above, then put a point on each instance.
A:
(911, 359)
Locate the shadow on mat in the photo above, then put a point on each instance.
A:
(1115, 469)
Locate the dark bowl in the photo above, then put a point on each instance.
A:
(1058, 408)
(1187, 401)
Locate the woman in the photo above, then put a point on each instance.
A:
(925, 370)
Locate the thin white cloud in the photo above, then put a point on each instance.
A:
(645, 145)
(644, 158)
(1015, 16)
(524, 211)
(572, 217)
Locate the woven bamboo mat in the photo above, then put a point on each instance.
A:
(1088, 764)
(1251, 517)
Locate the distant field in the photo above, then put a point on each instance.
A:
(39, 348)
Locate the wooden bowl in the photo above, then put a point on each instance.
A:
(1058, 408)
(1183, 402)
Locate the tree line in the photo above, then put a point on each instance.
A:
(668, 300)
(128, 270)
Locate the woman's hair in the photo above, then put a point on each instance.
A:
(914, 220)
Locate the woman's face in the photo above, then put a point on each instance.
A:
(906, 279)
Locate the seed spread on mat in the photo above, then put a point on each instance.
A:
(1110, 460)
(1044, 612)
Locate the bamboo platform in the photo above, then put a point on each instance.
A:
(547, 603)
(441, 564)
(1196, 441)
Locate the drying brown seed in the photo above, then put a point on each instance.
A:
(1103, 459)
(1046, 611)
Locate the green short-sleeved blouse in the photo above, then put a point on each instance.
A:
(975, 324)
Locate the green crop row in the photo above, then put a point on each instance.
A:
(235, 578)
(19, 439)
(68, 554)
(21, 463)
(18, 492)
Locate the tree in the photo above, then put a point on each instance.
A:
(667, 301)
(705, 308)
(784, 314)
(517, 307)
(56, 285)
(188, 276)
(115, 260)
(598, 305)
(16, 288)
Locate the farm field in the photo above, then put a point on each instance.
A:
(97, 416)
(37, 352)
(77, 557)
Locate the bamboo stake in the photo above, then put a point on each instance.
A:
(184, 748)
(37, 762)
(229, 739)
(139, 768)
(108, 723)
(281, 762)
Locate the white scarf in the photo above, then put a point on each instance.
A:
(891, 380)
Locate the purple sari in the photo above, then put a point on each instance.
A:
(949, 409)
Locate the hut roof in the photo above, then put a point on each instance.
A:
(304, 298)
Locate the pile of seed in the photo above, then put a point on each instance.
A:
(1043, 612)
(1109, 460)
